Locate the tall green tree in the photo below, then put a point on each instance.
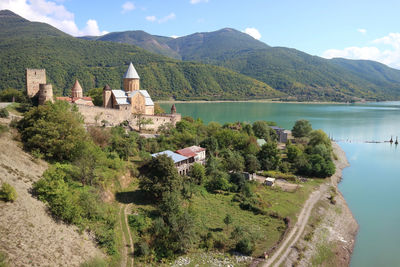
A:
(269, 157)
(301, 128)
(55, 130)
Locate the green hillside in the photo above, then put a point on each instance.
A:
(38, 45)
(290, 71)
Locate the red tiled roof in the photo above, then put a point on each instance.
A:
(73, 99)
(190, 151)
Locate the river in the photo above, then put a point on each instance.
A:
(370, 185)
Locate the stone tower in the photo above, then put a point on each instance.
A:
(45, 93)
(34, 77)
(107, 100)
(131, 79)
(76, 90)
(173, 109)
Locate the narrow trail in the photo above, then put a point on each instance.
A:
(127, 252)
(298, 228)
(124, 256)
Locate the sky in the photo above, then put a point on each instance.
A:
(350, 29)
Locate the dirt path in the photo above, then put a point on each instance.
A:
(127, 253)
(298, 229)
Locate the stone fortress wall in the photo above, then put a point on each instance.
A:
(112, 117)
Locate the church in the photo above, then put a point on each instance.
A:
(131, 98)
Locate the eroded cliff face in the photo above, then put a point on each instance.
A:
(331, 231)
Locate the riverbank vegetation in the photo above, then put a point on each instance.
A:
(214, 208)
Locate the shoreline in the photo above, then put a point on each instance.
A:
(331, 230)
(266, 101)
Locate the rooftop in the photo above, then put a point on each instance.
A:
(190, 151)
(175, 157)
(131, 73)
(77, 87)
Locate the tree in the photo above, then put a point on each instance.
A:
(7, 95)
(302, 128)
(210, 144)
(319, 137)
(4, 113)
(97, 95)
(233, 160)
(228, 220)
(158, 109)
(252, 163)
(293, 152)
(269, 157)
(161, 177)
(262, 130)
(198, 173)
(55, 130)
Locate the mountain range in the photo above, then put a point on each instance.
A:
(224, 64)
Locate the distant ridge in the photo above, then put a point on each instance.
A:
(26, 44)
(293, 72)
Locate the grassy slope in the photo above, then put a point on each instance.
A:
(211, 209)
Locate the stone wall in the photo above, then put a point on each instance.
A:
(112, 117)
(34, 77)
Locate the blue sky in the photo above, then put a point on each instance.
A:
(351, 29)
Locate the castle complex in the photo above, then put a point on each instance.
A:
(131, 105)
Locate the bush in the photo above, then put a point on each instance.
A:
(8, 193)
(245, 246)
(95, 262)
(4, 113)
(139, 222)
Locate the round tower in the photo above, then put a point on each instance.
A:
(45, 93)
(131, 79)
(76, 90)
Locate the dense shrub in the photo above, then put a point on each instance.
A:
(8, 193)
(4, 113)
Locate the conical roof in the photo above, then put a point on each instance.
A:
(131, 73)
(77, 87)
(107, 87)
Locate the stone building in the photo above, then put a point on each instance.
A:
(194, 154)
(36, 85)
(131, 98)
(182, 163)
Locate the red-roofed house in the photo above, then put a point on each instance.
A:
(194, 153)
(77, 96)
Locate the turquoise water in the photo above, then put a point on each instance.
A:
(370, 185)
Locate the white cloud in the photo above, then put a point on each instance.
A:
(167, 18)
(253, 32)
(151, 18)
(52, 13)
(161, 20)
(193, 2)
(175, 36)
(389, 55)
(363, 31)
(127, 6)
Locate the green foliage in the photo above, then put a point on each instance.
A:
(123, 143)
(3, 260)
(97, 96)
(139, 222)
(161, 177)
(198, 173)
(8, 193)
(228, 220)
(252, 163)
(302, 128)
(245, 246)
(10, 94)
(95, 262)
(269, 157)
(72, 203)
(4, 113)
(263, 131)
(55, 130)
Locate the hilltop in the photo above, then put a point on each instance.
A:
(288, 70)
(38, 45)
